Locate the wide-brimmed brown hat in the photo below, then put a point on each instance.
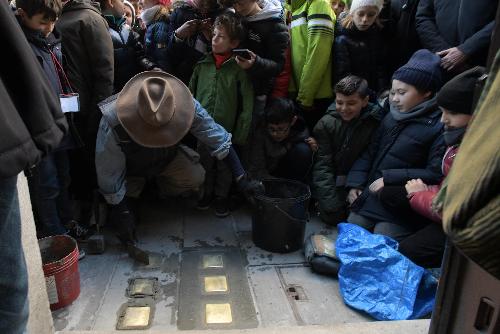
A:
(155, 108)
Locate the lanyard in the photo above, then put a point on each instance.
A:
(60, 73)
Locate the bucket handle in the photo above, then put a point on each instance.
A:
(308, 216)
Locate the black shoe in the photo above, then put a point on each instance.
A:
(221, 205)
(78, 231)
(204, 203)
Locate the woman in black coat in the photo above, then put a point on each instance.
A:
(408, 145)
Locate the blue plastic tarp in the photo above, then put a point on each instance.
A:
(374, 277)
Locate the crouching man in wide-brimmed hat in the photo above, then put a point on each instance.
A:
(139, 137)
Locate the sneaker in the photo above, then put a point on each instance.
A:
(204, 203)
(221, 207)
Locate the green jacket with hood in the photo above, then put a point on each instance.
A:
(311, 35)
(340, 144)
(227, 95)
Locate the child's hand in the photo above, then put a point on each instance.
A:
(353, 195)
(377, 185)
(415, 185)
(313, 144)
(206, 28)
(246, 63)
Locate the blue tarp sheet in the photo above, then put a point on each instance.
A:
(374, 277)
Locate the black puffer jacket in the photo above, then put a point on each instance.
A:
(268, 38)
(362, 53)
(400, 151)
(31, 121)
(129, 57)
(88, 53)
(266, 153)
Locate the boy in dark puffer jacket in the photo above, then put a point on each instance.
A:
(408, 145)
(342, 135)
(425, 247)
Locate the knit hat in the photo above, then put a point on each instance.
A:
(423, 71)
(132, 9)
(457, 95)
(363, 3)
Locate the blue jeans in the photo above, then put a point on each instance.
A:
(13, 275)
(49, 190)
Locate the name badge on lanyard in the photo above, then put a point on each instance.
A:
(70, 102)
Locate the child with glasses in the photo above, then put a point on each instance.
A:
(282, 146)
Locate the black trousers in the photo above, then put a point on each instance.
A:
(425, 247)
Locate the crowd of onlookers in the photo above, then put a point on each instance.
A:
(343, 95)
(366, 101)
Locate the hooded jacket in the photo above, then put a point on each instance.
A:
(340, 143)
(129, 57)
(156, 37)
(226, 94)
(266, 153)
(88, 53)
(311, 35)
(267, 37)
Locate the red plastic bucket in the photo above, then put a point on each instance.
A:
(60, 268)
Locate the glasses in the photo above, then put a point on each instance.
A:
(278, 130)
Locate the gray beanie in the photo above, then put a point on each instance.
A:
(363, 3)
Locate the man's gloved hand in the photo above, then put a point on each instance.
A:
(250, 187)
(122, 219)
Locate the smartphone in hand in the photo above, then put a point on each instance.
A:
(243, 53)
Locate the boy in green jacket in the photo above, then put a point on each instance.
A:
(225, 91)
(342, 135)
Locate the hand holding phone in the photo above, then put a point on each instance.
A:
(243, 53)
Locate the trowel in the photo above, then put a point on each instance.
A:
(137, 254)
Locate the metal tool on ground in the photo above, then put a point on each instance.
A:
(96, 243)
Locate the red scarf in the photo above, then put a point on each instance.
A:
(221, 58)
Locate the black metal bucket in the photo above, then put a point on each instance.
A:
(280, 215)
